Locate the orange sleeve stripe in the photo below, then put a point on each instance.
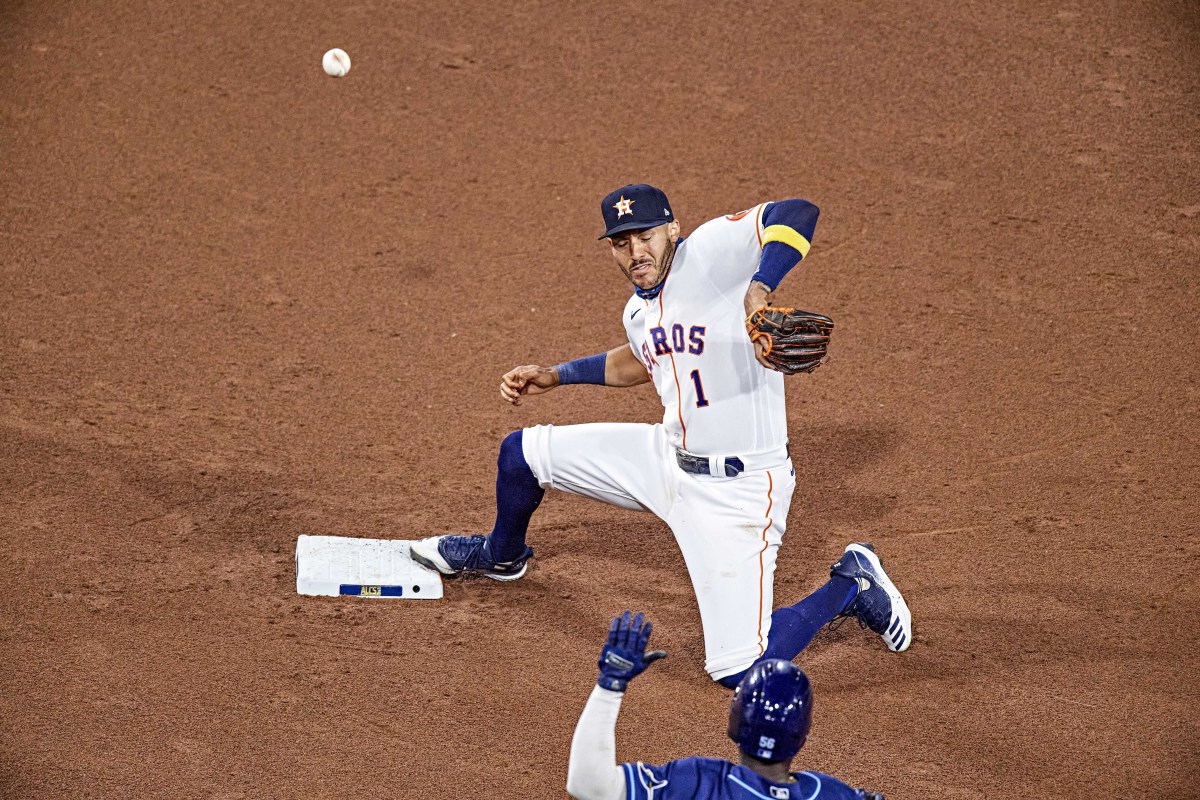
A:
(758, 227)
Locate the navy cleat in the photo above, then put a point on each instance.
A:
(455, 555)
(878, 605)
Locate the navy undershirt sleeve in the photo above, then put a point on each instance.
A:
(778, 258)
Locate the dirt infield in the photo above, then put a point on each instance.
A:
(241, 301)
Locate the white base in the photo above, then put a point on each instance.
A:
(333, 566)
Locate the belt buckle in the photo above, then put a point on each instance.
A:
(689, 463)
(701, 465)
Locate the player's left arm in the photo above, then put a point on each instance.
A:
(787, 234)
(592, 772)
(786, 238)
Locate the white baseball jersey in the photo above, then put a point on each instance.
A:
(719, 402)
(692, 339)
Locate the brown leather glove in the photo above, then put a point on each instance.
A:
(794, 341)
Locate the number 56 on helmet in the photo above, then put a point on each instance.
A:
(771, 711)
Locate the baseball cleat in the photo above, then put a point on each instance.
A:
(456, 555)
(879, 604)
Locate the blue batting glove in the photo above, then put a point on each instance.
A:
(624, 656)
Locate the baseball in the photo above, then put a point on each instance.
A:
(336, 62)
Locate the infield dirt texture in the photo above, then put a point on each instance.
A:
(241, 301)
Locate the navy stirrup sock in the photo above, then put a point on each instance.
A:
(793, 627)
(517, 496)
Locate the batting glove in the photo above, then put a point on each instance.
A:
(624, 656)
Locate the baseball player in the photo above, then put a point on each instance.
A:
(717, 468)
(768, 720)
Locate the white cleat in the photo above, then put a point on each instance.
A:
(879, 604)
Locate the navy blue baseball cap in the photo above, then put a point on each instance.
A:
(634, 208)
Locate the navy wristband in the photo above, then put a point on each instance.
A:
(583, 370)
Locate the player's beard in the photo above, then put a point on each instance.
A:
(668, 260)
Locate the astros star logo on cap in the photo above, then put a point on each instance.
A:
(624, 207)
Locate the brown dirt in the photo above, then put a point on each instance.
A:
(242, 301)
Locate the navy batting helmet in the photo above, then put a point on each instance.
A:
(771, 711)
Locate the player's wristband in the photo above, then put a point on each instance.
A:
(583, 370)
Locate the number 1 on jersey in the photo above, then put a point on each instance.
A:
(701, 400)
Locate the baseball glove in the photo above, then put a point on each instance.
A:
(793, 341)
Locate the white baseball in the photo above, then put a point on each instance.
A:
(336, 62)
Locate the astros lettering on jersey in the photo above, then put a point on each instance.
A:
(717, 398)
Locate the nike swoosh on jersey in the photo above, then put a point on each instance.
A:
(635, 313)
